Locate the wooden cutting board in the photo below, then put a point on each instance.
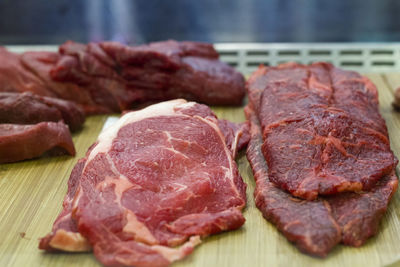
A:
(31, 194)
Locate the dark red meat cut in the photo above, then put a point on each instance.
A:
(92, 96)
(315, 227)
(110, 77)
(28, 108)
(15, 78)
(19, 142)
(156, 72)
(152, 185)
(309, 224)
(322, 130)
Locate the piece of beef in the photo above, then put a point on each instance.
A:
(15, 78)
(315, 227)
(92, 98)
(359, 214)
(308, 224)
(20, 142)
(158, 178)
(110, 77)
(321, 128)
(236, 135)
(28, 108)
(155, 72)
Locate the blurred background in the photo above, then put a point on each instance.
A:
(53, 22)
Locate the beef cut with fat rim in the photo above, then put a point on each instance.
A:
(152, 186)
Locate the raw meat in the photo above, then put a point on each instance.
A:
(309, 224)
(159, 178)
(92, 96)
(315, 227)
(322, 130)
(28, 108)
(110, 77)
(154, 72)
(19, 142)
(287, 105)
(15, 78)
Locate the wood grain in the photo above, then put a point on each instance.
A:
(31, 194)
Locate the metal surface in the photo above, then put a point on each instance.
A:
(361, 57)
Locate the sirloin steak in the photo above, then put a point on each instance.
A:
(322, 131)
(152, 185)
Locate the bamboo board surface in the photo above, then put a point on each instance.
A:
(31, 194)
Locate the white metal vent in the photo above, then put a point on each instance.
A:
(246, 57)
(362, 57)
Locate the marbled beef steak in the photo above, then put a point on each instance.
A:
(152, 185)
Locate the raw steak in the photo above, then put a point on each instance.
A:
(159, 178)
(110, 77)
(28, 108)
(321, 127)
(19, 142)
(315, 227)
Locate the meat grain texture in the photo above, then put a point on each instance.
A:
(28, 108)
(320, 154)
(20, 142)
(109, 77)
(33, 125)
(152, 186)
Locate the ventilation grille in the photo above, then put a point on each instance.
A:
(361, 57)
(246, 57)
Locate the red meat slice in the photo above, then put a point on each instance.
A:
(27, 108)
(159, 178)
(359, 214)
(308, 224)
(315, 227)
(321, 128)
(19, 142)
